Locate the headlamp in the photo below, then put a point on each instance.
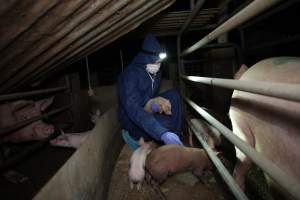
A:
(162, 56)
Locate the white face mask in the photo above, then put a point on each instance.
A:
(153, 68)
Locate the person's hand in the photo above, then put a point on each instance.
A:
(160, 105)
(170, 138)
(165, 105)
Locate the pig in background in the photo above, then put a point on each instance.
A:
(17, 111)
(136, 171)
(74, 140)
(270, 125)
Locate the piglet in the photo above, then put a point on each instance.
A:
(137, 164)
(169, 159)
(74, 140)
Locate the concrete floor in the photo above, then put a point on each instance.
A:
(179, 186)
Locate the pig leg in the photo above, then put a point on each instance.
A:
(198, 172)
(191, 138)
(131, 184)
(139, 185)
(243, 163)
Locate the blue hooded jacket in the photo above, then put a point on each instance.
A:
(135, 89)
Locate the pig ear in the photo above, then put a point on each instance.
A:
(141, 141)
(44, 104)
(17, 105)
(241, 71)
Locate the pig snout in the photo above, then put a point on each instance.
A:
(43, 130)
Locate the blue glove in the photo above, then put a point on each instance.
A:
(170, 138)
(155, 107)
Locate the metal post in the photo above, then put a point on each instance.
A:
(236, 190)
(281, 90)
(288, 182)
(253, 9)
(8, 97)
(192, 16)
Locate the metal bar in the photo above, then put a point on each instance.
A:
(288, 182)
(205, 27)
(281, 90)
(193, 14)
(200, 15)
(178, 25)
(8, 97)
(196, 20)
(195, 61)
(228, 179)
(192, 4)
(284, 5)
(23, 154)
(253, 9)
(8, 130)
(203, 11)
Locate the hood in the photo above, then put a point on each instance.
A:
(150, 44)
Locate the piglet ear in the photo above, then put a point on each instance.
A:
(240, 72)
(141, 141)
(44, 103)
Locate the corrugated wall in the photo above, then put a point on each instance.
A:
(40, 37)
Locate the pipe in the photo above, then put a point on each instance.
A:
(288, 182)
(8, 97)
(192, 4)
(253, 9)
(228, 179)
(193, 14)
(280, 90)
(8, 130)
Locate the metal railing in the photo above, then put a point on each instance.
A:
(285, 91)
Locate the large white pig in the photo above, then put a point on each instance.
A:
(271, 125)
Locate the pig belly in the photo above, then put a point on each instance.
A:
(269, 124)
